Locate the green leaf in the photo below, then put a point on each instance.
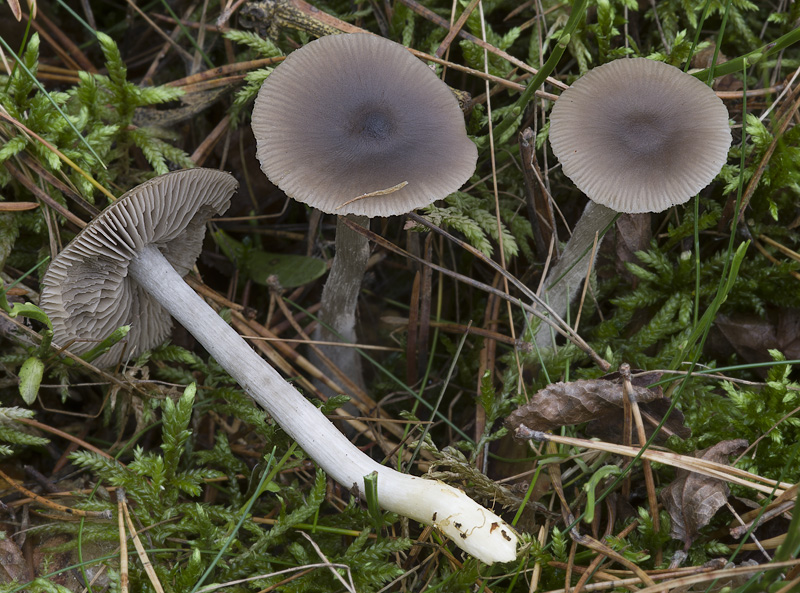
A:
(488, 394)
(371, 494)
(14, 146)
(254, 81)
(559, 544)
(26, 310)
(30, 377)
(152, 95)
(176, 431)
(117, 71)
(10, 431)
(291, 270)
(104, 346)
(263, 46)
(402, 23)
(758, 132)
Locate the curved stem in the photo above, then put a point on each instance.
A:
(566, 278)
(340, 299)
(473, 528)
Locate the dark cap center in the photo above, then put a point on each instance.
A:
(644, 134)
(375, 125)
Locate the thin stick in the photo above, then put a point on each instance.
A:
(184, 54)
(123, 547)
(349, 586)
(717, 574)
(769, 513)
(710, 572)
(752, 535)
(203, 150)
(593, 567)
(692, 464)
(772, 258)
(537, 568)
(225, 70)
(18, 206)
(148, 76)
(65, 435)
(311, 342)
(780, 247)
(454, 328)
(137, 542)
(67, 190)
(373, 194)
(456, 28)
(586, 280)
(627, 431)
(53, 505)
(627, 390)
(571, 564)
(601, 548)
(43, 196)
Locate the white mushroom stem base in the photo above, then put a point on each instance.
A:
(473, 528)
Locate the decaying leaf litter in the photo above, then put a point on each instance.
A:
(686, 297)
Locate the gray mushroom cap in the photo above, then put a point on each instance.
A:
(354, 114)
(86, 290)
(637, 135)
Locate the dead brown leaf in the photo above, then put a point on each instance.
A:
(13, 567)
(692, 499)
(563, 404)
(751, 336)
(609, 428)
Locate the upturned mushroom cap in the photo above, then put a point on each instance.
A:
(86, 291)
(637, 135)
(354, 114)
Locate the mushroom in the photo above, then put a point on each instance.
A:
(635, 136)
(92, 287)
(639, 136)
(355, 125)
(126, 267)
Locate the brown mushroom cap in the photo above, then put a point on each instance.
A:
(352, 114)
(86, 291)
(639, 136)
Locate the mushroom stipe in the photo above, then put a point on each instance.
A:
(134, 241)
(354, 125)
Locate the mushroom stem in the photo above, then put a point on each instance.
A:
(566, 278)
(473, 528)
(340, 298)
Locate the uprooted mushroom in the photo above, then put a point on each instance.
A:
(126, 267)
